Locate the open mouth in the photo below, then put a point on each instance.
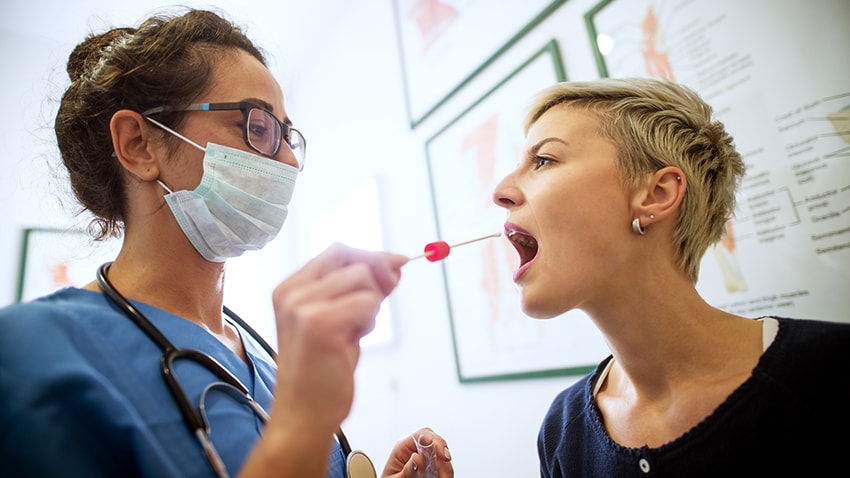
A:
(524, 244)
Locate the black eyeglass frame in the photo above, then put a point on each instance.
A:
(286, 130)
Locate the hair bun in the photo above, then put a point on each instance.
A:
(86, 56)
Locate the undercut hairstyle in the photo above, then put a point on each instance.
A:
(654, 124)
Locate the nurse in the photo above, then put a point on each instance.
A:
(175, 135)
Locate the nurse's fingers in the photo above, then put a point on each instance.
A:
(385, 266)
(344, 298)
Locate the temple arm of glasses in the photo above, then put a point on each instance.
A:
(194, 107)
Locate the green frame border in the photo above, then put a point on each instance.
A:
(591, 30)
(22, 263)
(414, 122)
(552, 49)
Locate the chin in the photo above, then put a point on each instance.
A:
(545, 304)
(537, 312)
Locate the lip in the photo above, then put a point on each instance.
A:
(525, 262)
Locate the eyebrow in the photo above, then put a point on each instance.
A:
(534, 149)
(267, 106)
(259, 102)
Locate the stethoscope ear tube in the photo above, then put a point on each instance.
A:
(140, 320)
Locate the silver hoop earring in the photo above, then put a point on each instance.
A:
(636, 227)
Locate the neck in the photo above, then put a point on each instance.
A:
(659, 349)
(657, 326)
(191, 287)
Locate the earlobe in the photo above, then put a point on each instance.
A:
(132, 145)
(662, 197)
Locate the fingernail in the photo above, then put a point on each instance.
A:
(447, 453)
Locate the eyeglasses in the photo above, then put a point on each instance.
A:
(261, 129)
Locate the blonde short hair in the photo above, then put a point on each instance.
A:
(654, 124)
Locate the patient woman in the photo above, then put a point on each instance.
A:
(175, 134)
(622, 186)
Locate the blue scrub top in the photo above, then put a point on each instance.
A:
(82, 393)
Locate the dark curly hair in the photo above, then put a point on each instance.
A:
(168, 59)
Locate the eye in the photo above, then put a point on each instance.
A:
(260, 126)
(257, 130)
(538, 162)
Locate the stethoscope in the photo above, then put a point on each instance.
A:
(358, 465)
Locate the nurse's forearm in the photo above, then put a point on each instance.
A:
(290, 450)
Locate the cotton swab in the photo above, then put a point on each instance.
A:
(438, 250)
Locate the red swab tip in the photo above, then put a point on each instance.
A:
(436, 251)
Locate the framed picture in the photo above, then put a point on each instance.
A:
(651, 38)
(438, 54)
(55, 258)
(787, 243)
(493, 338)
(636, 38)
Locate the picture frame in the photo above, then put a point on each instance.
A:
(636, 38)
(493, 339)
(599, 52)
(53, 258)
(430, 31)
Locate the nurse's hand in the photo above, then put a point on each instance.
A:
(408, 461)
(322, 312)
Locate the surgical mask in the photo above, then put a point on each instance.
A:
(240, 204)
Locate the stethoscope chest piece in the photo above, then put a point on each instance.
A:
(358, 465)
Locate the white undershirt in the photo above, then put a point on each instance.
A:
(769, 327)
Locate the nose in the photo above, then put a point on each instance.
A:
(287, 156)
(506, 194)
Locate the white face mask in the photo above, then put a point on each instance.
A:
(240, 204)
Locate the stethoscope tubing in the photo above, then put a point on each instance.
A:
(170, 353)
(194, 421)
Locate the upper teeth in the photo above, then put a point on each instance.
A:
(526, 241)
(522, 239)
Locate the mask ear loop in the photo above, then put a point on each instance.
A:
(175, 133)
(161, 183)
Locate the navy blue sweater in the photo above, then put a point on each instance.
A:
(790, 418)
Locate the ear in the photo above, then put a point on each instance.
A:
(662, 196)
(131, 140)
